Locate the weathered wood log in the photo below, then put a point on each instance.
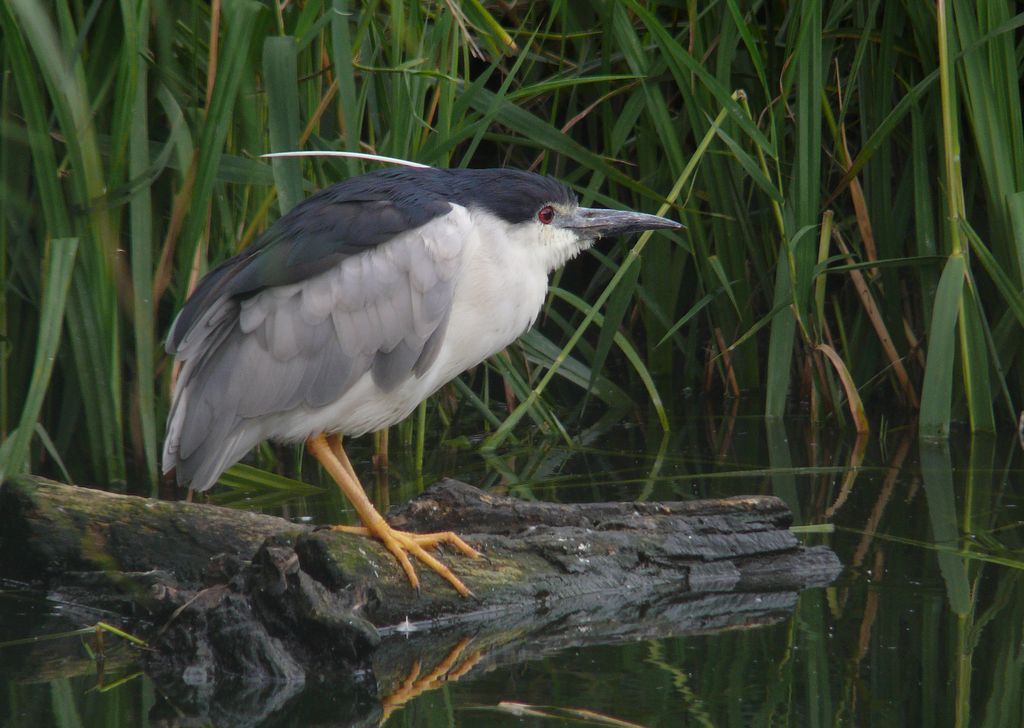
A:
(223, 593)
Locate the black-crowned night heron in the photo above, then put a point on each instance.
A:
(357, 305)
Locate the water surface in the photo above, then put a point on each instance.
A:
(924, 627)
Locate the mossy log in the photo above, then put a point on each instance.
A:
(224, 593)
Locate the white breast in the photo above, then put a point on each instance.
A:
(500, 288)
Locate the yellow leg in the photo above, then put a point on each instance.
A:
(334, 441)
(331, 454)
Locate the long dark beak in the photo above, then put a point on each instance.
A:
(593, 223)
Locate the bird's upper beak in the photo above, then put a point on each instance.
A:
(593, 223)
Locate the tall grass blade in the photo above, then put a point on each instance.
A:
(937, 390)
(343, 58)
(141, 227)
(280, 73)
(631, 354)
(44, 158)
(240, 18)
(94, 297)
(60, 262)
(618, 304)
(804, 199)
(976, 365)
(860, 418)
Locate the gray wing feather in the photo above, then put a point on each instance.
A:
(431, 347)
(384, 311)
(391, 368)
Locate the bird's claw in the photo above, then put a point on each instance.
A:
(402, 543)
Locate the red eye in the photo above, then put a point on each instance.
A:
(546, 214)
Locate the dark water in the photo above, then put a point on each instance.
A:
(925, 627)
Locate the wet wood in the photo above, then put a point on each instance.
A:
(220, 592)
(47, 529)
(533, 551)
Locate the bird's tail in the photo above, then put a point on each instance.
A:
(203, 438)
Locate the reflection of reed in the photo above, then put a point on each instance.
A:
(893, 471)
(721, 443)
(856, 460)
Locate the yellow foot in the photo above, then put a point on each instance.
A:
(402, 543)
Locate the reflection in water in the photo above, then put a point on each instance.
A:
(450, 668)
(924, 628)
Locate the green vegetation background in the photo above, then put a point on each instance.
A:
(851, 175)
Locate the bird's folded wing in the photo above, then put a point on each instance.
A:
(383, 311)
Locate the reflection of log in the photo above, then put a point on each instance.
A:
(225, 592)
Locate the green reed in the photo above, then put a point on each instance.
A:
(854, 222)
